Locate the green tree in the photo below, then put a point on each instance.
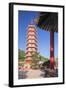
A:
(35, 60)
(21, 55)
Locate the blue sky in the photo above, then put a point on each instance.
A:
(24, 19)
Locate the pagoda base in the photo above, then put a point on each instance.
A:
(28, 61)
(27, 65)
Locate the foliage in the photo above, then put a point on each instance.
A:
(42, 58)
(21, 55)
(35, 60)
(21, 64)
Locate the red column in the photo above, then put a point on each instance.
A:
(52, 50)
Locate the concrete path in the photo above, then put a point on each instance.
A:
(35, 74)
(29, 74)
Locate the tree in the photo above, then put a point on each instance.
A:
(35, 59)
(49, 21)
(21, 55)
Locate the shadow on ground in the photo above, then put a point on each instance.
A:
(22, 74)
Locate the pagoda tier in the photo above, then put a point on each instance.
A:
(31, 44)
(32, 39)
(31, 48)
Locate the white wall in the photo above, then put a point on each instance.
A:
(4, 44)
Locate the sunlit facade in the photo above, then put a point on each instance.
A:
(31, 43)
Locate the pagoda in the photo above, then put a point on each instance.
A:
(31, 43)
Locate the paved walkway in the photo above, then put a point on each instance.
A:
(35, 74)
(29, 74)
